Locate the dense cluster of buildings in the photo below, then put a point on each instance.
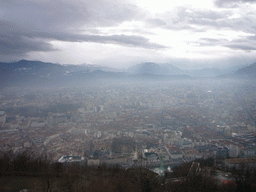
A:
(133, 123)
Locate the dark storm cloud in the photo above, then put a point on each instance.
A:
(28, 25)
(132, 40)
(65, 14)
(211, 41)
(231, 3)
(13, 44)
(241, 47)
(17, 41)
(242, 43)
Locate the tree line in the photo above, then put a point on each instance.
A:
(51, 176)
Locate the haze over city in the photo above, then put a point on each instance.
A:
(188, 34)
(132, 95)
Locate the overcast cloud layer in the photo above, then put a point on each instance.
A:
(116, 33)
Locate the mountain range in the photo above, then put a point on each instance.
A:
(26, 72)
(246, 72)
(168, 69)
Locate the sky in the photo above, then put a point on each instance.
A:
(187, 34)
